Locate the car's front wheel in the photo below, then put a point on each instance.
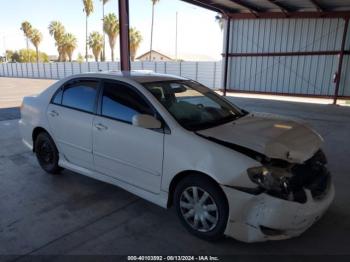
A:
(47, 153)
(201, 206)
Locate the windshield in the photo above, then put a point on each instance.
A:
(194, 106)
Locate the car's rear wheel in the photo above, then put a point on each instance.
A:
(201, 206)
(47, 153)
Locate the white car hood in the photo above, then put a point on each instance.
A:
(271, 135)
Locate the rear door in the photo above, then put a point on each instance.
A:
(125, 152)
(70, 116)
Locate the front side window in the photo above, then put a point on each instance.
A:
(194, 106)
(120, 102)
(80, 95)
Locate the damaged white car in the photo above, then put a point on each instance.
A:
(172, 141)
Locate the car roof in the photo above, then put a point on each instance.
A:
(140, 76)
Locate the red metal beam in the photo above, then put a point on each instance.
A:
(238, 91)
(301, 53)
(340, 65)
(268, 15)
(124, 35)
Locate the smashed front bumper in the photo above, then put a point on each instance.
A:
(254, 218)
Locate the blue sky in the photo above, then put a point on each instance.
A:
(198, 33)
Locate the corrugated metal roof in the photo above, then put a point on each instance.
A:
(271, 6)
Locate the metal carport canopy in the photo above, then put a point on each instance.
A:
(282, 9)
(277, 8)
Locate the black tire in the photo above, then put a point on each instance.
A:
(47, 153)
(200, 182)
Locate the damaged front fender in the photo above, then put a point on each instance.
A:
(263, 217)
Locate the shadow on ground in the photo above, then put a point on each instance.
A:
(9, 113)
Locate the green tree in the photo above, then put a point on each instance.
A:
(15, 57)
(111, 28)
(36, 38)
(29, 56)
(57, 30)
(80, 58)
(88, 9)
(96, 44)
(135, 41)
(69, 43)
(154, 2)
(104, 2)
(8, 55)
(26, 27)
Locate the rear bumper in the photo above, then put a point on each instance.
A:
(262, 217)
(26, 133)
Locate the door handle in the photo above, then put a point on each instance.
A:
(54, 113)
(101, 127)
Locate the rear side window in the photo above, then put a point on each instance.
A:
(57, 99)
(121, 102)
(80, 95)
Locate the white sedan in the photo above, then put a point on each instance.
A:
(172, 141)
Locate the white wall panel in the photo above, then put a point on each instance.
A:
(308, 75)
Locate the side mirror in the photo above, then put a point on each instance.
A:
(146, 121)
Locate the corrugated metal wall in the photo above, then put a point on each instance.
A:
(307, 75)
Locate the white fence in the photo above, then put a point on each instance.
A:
(207, 73)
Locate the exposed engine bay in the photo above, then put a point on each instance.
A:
(283, 179)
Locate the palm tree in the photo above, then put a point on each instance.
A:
(26, 27)
(88, 9)
(57, 30)
(111, 28)
(69, 45)
(36, 37)
(135, 41)
(154, 2)
(96, 44)
(104, 36)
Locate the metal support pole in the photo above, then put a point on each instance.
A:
(340, 65)
(124, 35)
(227, 50)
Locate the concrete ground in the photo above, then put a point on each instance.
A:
(42, 214)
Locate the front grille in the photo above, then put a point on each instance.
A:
(312, 175)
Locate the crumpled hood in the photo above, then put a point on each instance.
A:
(271, 135)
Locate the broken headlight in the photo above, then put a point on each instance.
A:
(270, 179)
